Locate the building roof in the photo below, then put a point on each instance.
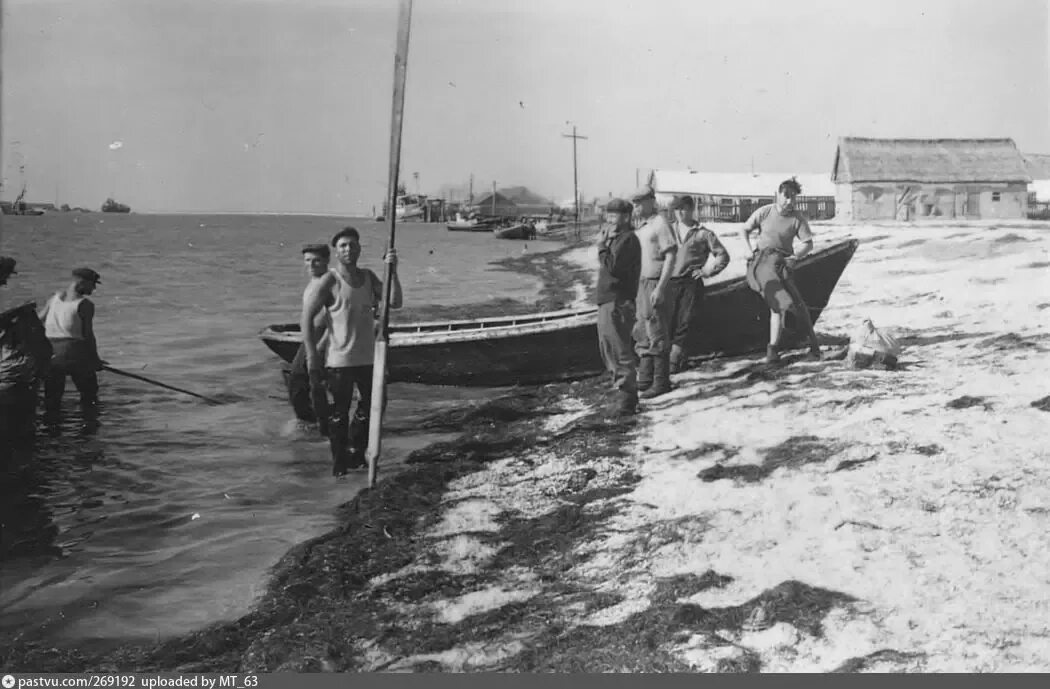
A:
(737, 183)
(928, 160)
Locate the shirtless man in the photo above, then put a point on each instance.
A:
(310, 402)
(349, 297)
(769, 270)
(68, 318)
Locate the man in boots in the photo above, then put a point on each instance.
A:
(619, 264)
(651, 332)
(696, 244)
(769, 270)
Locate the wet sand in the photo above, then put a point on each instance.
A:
(804, 517)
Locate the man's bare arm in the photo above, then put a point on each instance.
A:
(314, 299)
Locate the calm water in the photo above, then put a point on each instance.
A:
(170, 514)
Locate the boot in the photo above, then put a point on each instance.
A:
(677, 359)
(626, 403)
(772, 354)
(645, 373)
(661, 377)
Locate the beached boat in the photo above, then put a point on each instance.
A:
(516, 231)
(563, 345)
(469, 225)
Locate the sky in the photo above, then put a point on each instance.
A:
(284, 105)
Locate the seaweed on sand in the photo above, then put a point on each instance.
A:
(796, 451)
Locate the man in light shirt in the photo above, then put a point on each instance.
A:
(651, 334)
(770, 268)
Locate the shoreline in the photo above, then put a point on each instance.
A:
(561, 287)
(804, 517)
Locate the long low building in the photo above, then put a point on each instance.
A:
(733, 196)
(916, 179)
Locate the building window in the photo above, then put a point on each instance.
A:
(995, 195)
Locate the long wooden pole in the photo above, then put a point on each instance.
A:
(375, 422)
(144, 379)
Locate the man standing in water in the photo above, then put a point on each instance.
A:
(349, 296)
(619, 263)
(651, 334)
(696, 244)
(25, 355)
(69, 323)
(310, 402)
(769, 270)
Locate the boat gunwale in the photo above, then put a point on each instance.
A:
(499, 327)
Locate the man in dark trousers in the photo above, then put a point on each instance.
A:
(696, 244)
(310, 402)
(620, 263)
(68, 320)
(348, 295)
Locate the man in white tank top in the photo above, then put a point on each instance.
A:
(349, 297)
(68, 318)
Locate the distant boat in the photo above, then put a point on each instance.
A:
(517, 231)
(410, 207)
(19, 206)
(563, 345)
(473, 225)
(111, 206)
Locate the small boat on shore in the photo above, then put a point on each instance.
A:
(563, 345)
(469, 225)
(516, 231)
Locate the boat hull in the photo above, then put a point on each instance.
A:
(732, 320)
(468, 227)
(512, 232)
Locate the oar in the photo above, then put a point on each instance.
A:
(144, 379)
(375, 423)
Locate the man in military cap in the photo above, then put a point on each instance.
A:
(310, 402)
(69, 322)
(619, 263)
(696, 244)
(651, 334)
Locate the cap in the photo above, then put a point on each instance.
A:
(682, 201)
(643, 192)
(618, 206)
(7, 266)
(87, 274)
(316, 249)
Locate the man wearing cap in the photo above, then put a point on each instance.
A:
(619, 264)
(769, 270)
(696, 244)
(24, 357)
(310, 402)
(68, 318)
(651, 334)
(348, 296)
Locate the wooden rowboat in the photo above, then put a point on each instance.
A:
(517, 231)
(563, 345)
(469, 226)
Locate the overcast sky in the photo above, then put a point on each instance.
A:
(268, 106)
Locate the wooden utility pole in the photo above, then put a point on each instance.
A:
(575, 184)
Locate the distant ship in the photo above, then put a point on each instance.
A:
(111, 206)
(19, 206)
(409, 207)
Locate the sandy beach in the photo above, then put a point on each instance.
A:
(807, 517)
